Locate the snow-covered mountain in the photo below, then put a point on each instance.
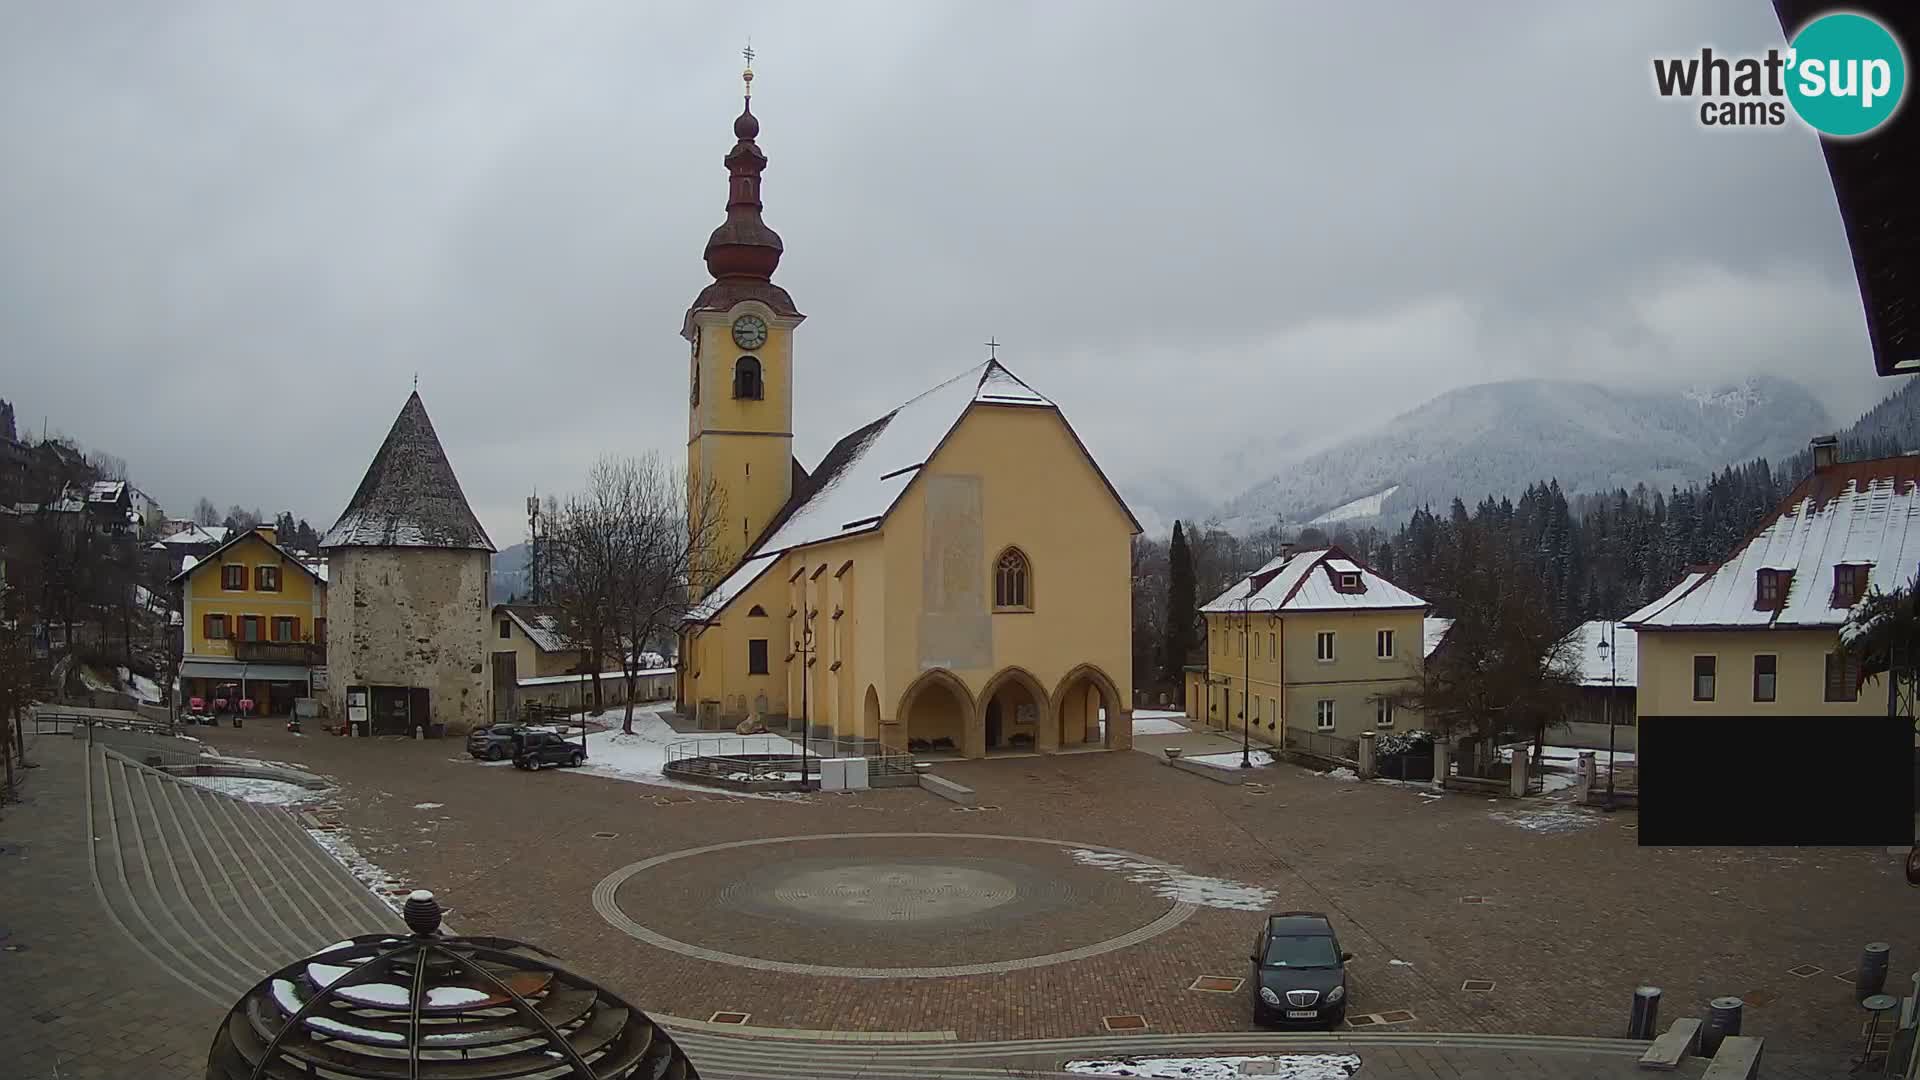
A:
(1496, 438)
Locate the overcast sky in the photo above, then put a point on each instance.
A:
(232, 233)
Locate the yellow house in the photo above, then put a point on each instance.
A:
(531, 635)
(954, 576)
(254, 615)
(1758, 633)
(1308, 649)
(533, 661)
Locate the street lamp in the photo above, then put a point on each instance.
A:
(1608, 650)
(803, 649)
(1247, 606)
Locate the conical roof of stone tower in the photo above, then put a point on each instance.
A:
(409, 497)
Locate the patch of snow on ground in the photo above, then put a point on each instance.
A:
(1283, 1066)
(1341, 773)
(428, 805)
(1399, 963)
(368, 873)
(642, 756)
(1551, 818)
(1145, 723)
(1231, 760)
(1173, 883)
(1568, 757)
(253, 790)
(144, 689)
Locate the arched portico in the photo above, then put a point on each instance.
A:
(1078, 703)
(934, 713)
(1013, 714)
(870, 715)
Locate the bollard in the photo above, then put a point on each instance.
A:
(1871, 979)
(1644, 1020)
(1723, 1019)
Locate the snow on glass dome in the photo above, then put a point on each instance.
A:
(426, 1007)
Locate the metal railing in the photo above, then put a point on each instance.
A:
(62, 720)
(1323, 744)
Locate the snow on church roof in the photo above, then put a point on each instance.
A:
(1861, 512)
(859, 480)
(409, 496)
(1288, 583)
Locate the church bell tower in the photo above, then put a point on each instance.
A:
(740, 330)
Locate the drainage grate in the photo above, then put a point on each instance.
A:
(1217, 984)
(1843, 976)
(1473, 899)
(605, 835)
(1805, 971)
(1394, 1016)
(728, 1018)
(1125, 1022)
(1362, 1019)
(1478, 986)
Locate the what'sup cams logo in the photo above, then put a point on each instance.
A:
(1843, 75)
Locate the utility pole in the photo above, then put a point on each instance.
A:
(533, 541)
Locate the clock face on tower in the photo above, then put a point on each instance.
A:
(749, 332)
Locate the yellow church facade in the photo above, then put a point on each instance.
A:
(952, 577)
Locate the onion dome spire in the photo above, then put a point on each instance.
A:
(743, 247)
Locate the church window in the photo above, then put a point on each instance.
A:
(756, 612)
(1012, 587)
(746, 379)
(757, 656)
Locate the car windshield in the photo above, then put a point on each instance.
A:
(1301, 952)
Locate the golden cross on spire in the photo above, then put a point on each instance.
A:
(747, 75)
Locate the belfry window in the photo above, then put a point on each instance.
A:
(1012, 582)
(746, 379)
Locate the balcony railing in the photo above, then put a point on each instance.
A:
(279, 652)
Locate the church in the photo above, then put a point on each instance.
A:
(953, 577)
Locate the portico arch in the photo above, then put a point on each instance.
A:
(934, 712)
(999, 724)
(870, 715)
(1077, 705)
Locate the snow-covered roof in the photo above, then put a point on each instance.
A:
(860, 479)
(1861, 512)
(1597, 667)
(409, 496)
(198, 534)
(541, 625)
(106, 491)
(1435, 632)
(1304, 581)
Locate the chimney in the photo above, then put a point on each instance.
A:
(268, 533)
(1286, 551)
(1826, 450)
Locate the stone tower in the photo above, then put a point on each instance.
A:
(740, 327)
(407, 567)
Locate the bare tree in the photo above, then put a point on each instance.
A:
(623, 553)
(205, 513)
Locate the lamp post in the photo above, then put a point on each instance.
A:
(1247, 606)
(804, 650)
(1608, 649)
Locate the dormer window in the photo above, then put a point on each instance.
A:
(1770, 591)
(1849, 584)
(1349, 582)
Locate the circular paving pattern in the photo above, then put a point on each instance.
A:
(796, 903)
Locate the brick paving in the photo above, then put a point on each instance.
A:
(1573, 919)
(77, 1000)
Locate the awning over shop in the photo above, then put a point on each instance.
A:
(234, 671)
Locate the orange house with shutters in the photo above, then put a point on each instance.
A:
(254, 616)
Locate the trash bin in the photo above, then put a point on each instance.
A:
(1723, 1019)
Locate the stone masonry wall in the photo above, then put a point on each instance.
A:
(410, 617)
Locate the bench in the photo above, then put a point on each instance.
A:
(1737, 1059)
(947, 789)
(1680, 1040)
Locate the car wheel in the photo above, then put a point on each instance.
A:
(533, 764)
(577, 759)
(494, 753)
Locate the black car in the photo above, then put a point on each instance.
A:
(1299, 972)
(494, 743)
(537, 748)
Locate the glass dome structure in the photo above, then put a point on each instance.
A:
(427, 1007)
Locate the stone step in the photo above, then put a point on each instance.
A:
(357, 905)
(227, 906)
(177, 905)
(258, 903)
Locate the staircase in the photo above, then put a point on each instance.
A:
(217, 891)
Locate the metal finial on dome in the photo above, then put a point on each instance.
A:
(422, 913)
(747, 75)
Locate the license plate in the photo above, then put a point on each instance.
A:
(1302, 1014)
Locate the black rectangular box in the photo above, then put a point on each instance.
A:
(1764, 781)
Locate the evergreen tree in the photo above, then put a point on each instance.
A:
(1182, 609)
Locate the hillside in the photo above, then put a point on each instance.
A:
(1499, 437)
(509, 577)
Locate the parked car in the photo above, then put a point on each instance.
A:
(1299, 972)
(539, 748)
(495, 743)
